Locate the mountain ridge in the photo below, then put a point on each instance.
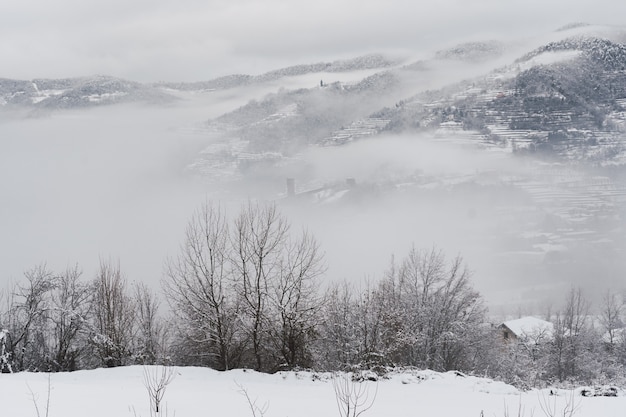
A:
(103, 89)
(556, 99)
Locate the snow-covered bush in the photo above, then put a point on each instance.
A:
(5, 355)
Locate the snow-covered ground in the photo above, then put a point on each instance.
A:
(204, 392)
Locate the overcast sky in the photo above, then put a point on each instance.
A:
(186, 40)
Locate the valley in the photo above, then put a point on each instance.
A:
(512, 157)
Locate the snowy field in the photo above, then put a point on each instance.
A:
(204, 392)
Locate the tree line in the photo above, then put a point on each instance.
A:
(248, 292)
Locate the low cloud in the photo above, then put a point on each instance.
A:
(191, 40)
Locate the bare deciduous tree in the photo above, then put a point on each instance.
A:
(69, 314)
(151, 332)
(611, 315)
(156, 380)
(201, 289)
(338, 344)
(443, 310)
(36, 402)
(246, 294)
(45, 319)
(424, 312)
(258, 242)
(353, 398)
(113, 317)
(296, 300)
(569, 353)
(27, 320)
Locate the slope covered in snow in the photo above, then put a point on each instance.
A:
(198, 391)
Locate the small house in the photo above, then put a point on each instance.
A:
(529, 330)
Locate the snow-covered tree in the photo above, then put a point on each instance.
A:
(424, 313)
(338, 346)
(442, 312)
(26, 320)
(68, 316)
(6, 360)
(113, 315)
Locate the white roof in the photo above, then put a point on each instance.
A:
(530, 327)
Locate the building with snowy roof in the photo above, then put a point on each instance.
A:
(527, 330)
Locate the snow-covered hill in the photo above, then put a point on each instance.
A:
(76, 93)
(56, 94)
(197, 391)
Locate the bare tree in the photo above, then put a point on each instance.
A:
(424, 312)
(201, 289)
(611, 315)
(259, 238)
(569, 351)
(113, 317)
(156, 380)
(442, 309)
(611, 318)
(353, 398)
(151, 332)
(246, 294)
(388, 302)
(27, 317)
(70, 309)
(45, 320)
(296, 300)
(338, 345)
(35, 400)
